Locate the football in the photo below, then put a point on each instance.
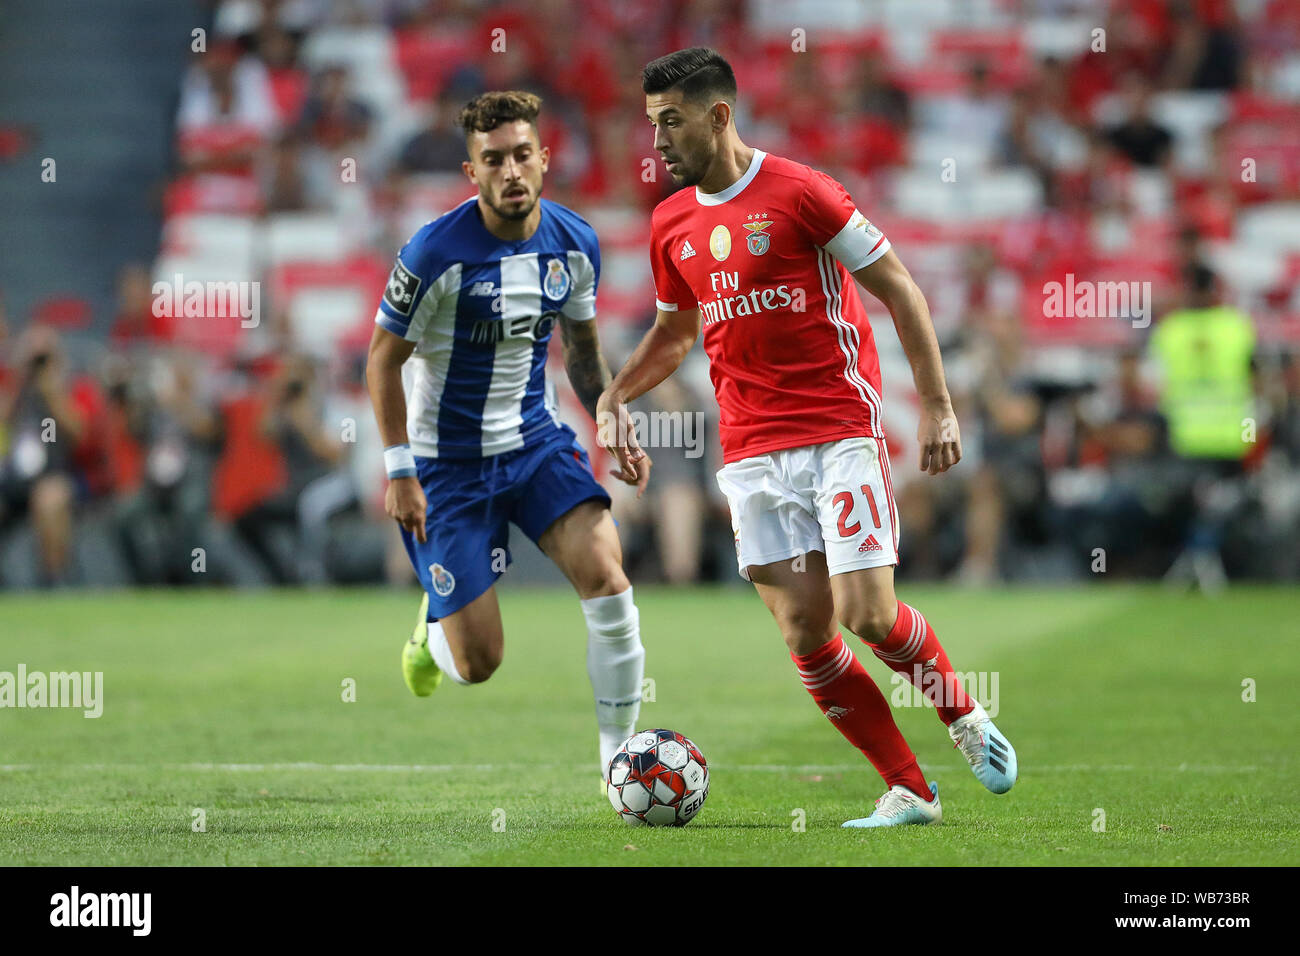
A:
(658, 778)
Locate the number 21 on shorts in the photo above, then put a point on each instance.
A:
(844, 501)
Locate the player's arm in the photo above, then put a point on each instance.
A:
(890, 282)
(664, 348)
(588, 371)
(404, 500)
(589, 375)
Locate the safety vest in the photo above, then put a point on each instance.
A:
(1207, 400)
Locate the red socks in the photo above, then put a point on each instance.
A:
(912, 650)
(850, 698)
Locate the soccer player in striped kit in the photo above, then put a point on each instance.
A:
(760, 255)
(457, 378)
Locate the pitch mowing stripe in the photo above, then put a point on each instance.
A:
(512, 767)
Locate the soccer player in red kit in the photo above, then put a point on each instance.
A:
(759, 255)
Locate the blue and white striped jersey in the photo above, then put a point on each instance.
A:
(480, 311)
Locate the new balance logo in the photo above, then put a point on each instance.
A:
(833, 712)
(482, 288)
(870, 544)
(687, 249)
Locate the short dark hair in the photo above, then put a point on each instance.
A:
(1200, 277)
(699, 73)
(487, 111)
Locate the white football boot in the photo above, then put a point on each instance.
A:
(991, 757)
(899, 807)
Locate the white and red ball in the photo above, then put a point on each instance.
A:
(658, 778)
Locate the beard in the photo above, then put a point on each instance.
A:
(691, 171)
(687, 177)
(516, 213)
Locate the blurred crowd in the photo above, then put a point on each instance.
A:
(1001, 144)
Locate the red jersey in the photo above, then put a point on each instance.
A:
(767, 261)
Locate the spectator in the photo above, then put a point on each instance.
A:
(135, 322)
(161, 435)
(1205, 353)
(332, 119)
(293, 420)
(1206, 52)
(440, 146)
(287, 188)
(977, 117)
(1139, 137)
(37, 472)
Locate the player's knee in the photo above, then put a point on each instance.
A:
(804, 633)
(603, 578)
(479, 665)
(871, 621)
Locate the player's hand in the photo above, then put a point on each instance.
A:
(615, 434)
(939, 437)
(640, 474)
(405, 502)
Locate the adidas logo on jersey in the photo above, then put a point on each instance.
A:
(870, 544)
(482, 288)
(687, 249)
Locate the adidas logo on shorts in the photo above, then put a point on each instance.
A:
(870, 544)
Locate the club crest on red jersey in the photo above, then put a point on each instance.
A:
(758, 240)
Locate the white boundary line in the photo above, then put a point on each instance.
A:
(512, 767)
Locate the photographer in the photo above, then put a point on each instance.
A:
(37, 467)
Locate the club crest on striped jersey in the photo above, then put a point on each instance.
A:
(758, 240)
(444, 582)
(556, 284)
(720, 242)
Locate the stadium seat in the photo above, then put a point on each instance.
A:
(322, 315)
(212, 236)
(1190, 116)
(1247, 266)
(1275, 225)
(1006, 194)
(305, 237)
(370, 57)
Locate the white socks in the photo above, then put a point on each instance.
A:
(441, 652)
(615, 664)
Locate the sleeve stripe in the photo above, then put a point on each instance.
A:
(665, 306)
(387, 322)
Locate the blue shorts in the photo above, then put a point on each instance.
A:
(471, 502)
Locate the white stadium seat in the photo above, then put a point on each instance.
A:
(305, 237)
(1274, 225)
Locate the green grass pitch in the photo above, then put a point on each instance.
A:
(1120, 699)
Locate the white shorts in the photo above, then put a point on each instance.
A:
(836, 498)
